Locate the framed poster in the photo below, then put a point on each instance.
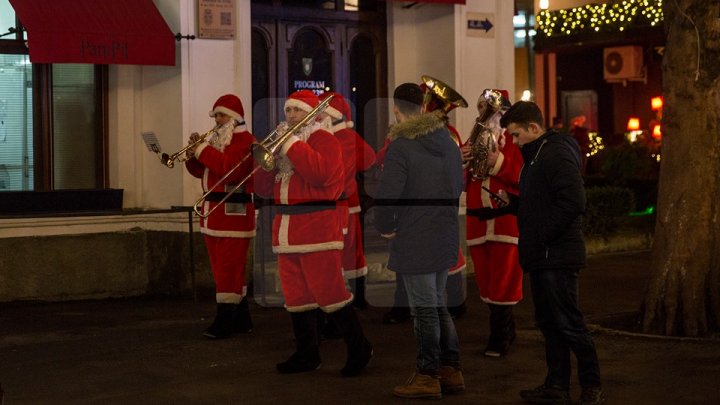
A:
(216, 19)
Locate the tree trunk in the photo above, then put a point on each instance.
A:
(683, 296)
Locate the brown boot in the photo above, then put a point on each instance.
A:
(420, 386)
(451, 379)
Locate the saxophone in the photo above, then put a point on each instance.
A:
(482, 139)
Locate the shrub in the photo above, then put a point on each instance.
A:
(605, 206)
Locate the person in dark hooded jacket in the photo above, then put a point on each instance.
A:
(416, 208)
(551, 249)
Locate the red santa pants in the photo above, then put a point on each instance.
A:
(228, 257)
(313, 279)
(497, 272)
(353, 260)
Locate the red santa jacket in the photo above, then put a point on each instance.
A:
(503, 176)
(308, 173)
(236, 218)
(358, 156)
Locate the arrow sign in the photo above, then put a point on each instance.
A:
(480, 25)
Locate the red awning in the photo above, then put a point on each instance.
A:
(96, 31)
(436, 1)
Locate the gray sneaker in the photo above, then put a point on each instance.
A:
(591, 396)
(546, 395)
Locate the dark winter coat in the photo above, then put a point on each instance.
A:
(417, 196)
(551, 204)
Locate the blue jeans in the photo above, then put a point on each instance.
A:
(557, 315)
(435, 336)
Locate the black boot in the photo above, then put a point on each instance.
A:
(359, 349)
(243, 322)
(307, 353)
(222, 327)
(326, 327)
(502, 330)
(357, 286)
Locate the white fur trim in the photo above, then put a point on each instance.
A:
(313, 247)
(230, 298)
(498, 164)
(329, 309)
(283, 232)
(288, 144)
(351, 274)
(338, 126)
(302, 308)
(293, 102)
(201, 147)
(354, 210)
(285, 189)
(334, 112)
(489, 301)
(228, 234)
(456, 271)
(493, 238)
(350, 124)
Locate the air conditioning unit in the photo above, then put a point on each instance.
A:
(623, 63)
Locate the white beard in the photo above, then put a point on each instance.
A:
(222, 136)
(284, 165)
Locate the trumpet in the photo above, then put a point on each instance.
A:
(180, 156)
(264, 155)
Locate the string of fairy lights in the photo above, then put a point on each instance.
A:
(600, 18)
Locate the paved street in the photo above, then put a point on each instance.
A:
(150, 351)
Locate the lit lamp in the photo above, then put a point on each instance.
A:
(633, 124)
(633, 129)
(656, 133)
(656, 103)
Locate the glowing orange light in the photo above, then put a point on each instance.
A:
(633, 124)
(656, 133)
(656, 103)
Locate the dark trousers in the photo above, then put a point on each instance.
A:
(555, 295)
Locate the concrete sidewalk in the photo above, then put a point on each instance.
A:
(150, 351)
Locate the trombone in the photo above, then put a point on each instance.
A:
(263, 153)
(179, 156)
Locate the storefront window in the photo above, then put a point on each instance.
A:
(52, 128)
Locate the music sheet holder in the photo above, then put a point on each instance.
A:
(151, 142)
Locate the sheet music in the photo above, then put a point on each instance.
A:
(151, 142)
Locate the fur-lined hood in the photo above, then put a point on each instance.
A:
(417, 126)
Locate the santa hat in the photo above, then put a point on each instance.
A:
(305, 100)
(505, 99)
(338, 107)
(230, 105)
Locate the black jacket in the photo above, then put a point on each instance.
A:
(551, 204)
(417, 196)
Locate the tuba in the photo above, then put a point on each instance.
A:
(449, 98)
(482, 138)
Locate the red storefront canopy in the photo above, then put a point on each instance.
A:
(436, 1)
(96, 31)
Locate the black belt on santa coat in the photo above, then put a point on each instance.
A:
(304, 207)
(236, 197)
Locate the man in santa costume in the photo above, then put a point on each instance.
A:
(493, 242)
(358, 157)
(231, 226)
(307, 235)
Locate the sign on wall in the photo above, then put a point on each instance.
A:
(481, 25)
(216, 19)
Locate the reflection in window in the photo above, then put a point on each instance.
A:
(363, 78)
(74, 136)
(310, 63)
(261, 106)
(16, 125)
